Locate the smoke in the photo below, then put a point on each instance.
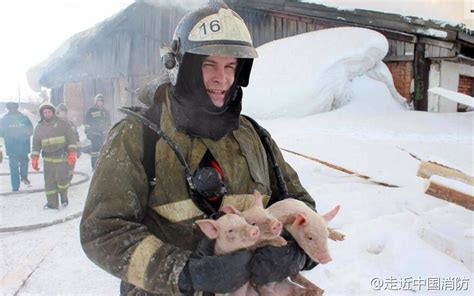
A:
(183, 4)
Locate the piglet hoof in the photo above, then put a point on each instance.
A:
(336, 236)
(279, 242)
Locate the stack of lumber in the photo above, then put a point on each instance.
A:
(448, 183)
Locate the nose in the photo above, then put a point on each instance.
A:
(254, 232)
(219, 75)
(325, 259)
(276, 227)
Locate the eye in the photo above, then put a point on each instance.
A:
(231, 230)
(253, 223)
(310, 238)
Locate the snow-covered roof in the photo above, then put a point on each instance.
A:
(452, 12)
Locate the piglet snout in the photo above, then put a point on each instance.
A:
(324, 259)
(276, 227)
(254, 232)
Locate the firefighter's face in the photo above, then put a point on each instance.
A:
(218, 74)
(48, 114)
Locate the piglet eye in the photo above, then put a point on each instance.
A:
(231, 230)
(310, 237)
(254, 223)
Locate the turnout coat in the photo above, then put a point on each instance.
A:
(144, 235)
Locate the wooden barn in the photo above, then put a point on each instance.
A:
(122, 53)
(114, 58)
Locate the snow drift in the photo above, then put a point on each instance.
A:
(322, 64)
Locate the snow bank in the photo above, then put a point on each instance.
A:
(309, 73)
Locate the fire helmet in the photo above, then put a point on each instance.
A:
(212, 30)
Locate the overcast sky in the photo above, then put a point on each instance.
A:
(30, 30)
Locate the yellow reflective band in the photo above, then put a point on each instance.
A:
(53, 141)
(49, 192)
(35, 153)
(54, 159)
(96, 114)
(72, 146)
(140, 259)
(95, 154)
(242, 202)
(63, 186)
(179, 211)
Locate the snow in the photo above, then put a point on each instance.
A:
(453, 96)
(315, 78)
(452, 12)
(399, 240)
(453, 184)
(432, 32)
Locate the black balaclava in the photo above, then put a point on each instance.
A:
(192, 108)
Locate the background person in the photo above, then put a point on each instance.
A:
(97, 126)
(54, 138)
(16, 129)
(61, 112)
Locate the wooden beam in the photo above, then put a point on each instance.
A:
(443, 191)
(438, 43)
(422, 69)
(429, 168)
(404, 58)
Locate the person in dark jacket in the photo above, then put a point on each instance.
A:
(16, 129)
(97, 126)
(140, 227)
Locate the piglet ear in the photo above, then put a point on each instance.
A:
(258, 199)
(300, 220)
(229, 209)
(209, 228)
(329, 215)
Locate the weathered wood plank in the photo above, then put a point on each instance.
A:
(400, 48)
(428, 169)
(452, 195)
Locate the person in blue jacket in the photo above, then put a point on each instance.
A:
(16, 129)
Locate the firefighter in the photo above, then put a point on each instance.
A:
(138, 220)
(54, 139)
(97, 126)
(62, 112)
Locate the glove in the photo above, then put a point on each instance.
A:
(71, 157)
(218, 274)
(274, 264)
(34, 163)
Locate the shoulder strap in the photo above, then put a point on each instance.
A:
(267, 145)
(149, 140)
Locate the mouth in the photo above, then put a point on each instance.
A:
(216, 91)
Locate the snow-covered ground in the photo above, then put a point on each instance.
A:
(399, 241)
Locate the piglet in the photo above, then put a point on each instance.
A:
(306, 226)
(269, 226)
(270, 229)
(232, 233)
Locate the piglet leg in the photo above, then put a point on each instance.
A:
(310, 287)
(335, 235)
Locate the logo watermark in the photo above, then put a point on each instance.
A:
(420, 284)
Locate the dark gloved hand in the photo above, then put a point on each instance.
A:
(274, 264)
(209, 273)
